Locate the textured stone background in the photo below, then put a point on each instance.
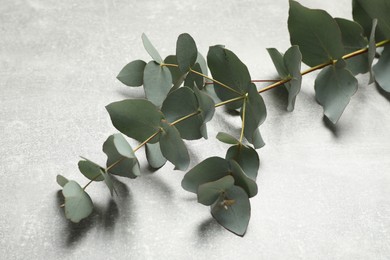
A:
(324, 192)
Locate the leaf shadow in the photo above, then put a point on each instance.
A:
(382, 92)
(333, 128)
(207, 230)
(104, 218)
(279, 98)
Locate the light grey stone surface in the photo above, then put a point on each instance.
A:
(324, 192)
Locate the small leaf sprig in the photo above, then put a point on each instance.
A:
(179, 103)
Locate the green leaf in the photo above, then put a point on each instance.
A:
(226, 138)
(232, 210)
(121, 159)
(353, 40)
(228, 69)
(316, 33)
(211, 169)
(136, 118)
(186, 52)
(61, 180)
(173, 147)
(180, 103)
(382, 69)
(289, 67)
(206, 105)
(194, 80)
(365, 11)
(157, 82)
(334, 87)
(372, 50)
(177, 76)
(202, 63)
(91, 170)
(209, 192)
(78, 204)
(363, 18)
(255, 113)
(151, 49)
(108, 181)
(154, 155)
(242, 180)
(132, 74)
(246, 157)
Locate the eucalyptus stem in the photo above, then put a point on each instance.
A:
(93, 179)
(204, 76)
(185, 117)
(320, 66)
(147, 140)
(243, 120)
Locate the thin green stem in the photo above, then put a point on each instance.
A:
(147, 140)
(243, 120)
(93, 179)
(204, 76)
(320, 66)
(185, 117)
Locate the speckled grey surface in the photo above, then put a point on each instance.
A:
(324, 192)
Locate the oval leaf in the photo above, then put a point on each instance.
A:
(157, 82)
(61, 180)
(209, 192)
(242, 180)
(246, 157)
(334, 87)
(136, 118)
(211, 169)
(173, 147)
(382, 69)
(78, 204)
(372, 50)
(91, 170)
(233, 210)
(121, 159)
(132, 74)
(154, 156)
(255, 113)
(228, 69)
(316, 33)
(226, 138)
(186, 52)
(151, 49)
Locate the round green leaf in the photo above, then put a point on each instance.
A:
(242, 180)
(178, 77)
(121, 159)
(61, 180)
(136, 118)
(151, 49)
(232, 210)
(277, 59)
(228, 69)
(353, 39)
(255, 113)
(246, 157)
(132, 74)
(316, 33)
(370, 10)
(91, 170)
(209, 170)
(186, 52)
(173, 147)
(154, 155)
(334, 87)
(194, 80)
(157, 82)
(78, 204)
(382, 69)
(209, 192)
(108, 181)
(226, 138)
(372, 50)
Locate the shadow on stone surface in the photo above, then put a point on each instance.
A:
(104, 218)
(332, 127)
(207, 230)
(382, 92)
